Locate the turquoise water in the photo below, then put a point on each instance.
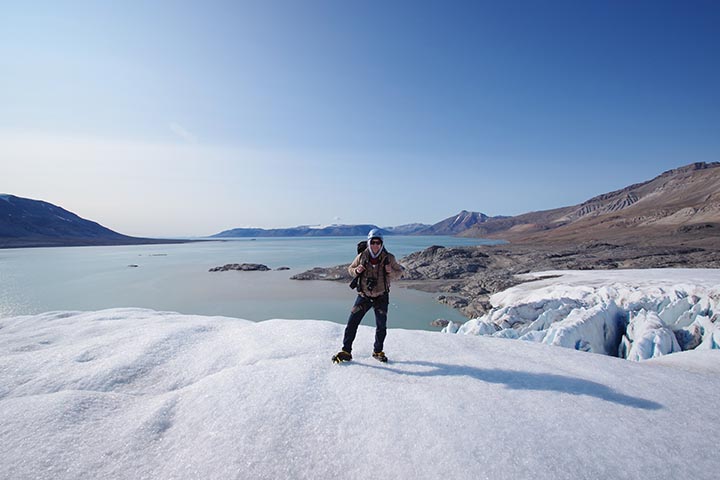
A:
(176, 278)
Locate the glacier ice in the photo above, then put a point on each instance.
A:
(633, 314)
(648, 337)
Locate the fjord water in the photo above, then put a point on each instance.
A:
(176, 278)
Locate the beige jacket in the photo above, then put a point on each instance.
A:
(373, 274)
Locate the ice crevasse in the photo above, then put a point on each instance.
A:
(632, 314)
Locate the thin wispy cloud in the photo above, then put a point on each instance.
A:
(183, 133)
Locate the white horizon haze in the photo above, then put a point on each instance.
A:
(166, 189)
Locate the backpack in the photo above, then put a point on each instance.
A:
(361, 247)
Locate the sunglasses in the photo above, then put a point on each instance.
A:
(375, 242)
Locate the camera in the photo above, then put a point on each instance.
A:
(371, 282)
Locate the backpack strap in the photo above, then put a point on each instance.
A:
(364, 258)
(358, 280)
(384, 273)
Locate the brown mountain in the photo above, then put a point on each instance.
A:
(680, 206)
(456, 224)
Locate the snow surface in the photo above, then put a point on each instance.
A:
(633, 314)
(138, 394)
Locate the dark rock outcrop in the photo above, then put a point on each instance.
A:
(438, 262)
(337, 273)
(440, 322)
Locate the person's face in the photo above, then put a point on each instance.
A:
(375, 245)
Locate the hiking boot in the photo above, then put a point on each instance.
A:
(380, 356)
(341, 356)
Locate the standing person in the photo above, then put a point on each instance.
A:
(374, 269)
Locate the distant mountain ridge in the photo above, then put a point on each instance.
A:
(456, 224)
(450, 226)
(329, 231)
(408, 229)
(679, 205)
(302, 231)
(34, 223)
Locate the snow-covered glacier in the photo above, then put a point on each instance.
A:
(129, 393)
(633, 314)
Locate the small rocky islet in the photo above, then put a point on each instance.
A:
(242, 267)
(245, 267)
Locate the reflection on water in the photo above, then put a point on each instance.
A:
(176, 278)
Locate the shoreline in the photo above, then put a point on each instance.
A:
(6, 244)
(465, 277)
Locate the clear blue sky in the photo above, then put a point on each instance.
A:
(187, 118)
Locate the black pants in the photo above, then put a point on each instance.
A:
(360, 308)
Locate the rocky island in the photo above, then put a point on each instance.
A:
(241, 267)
